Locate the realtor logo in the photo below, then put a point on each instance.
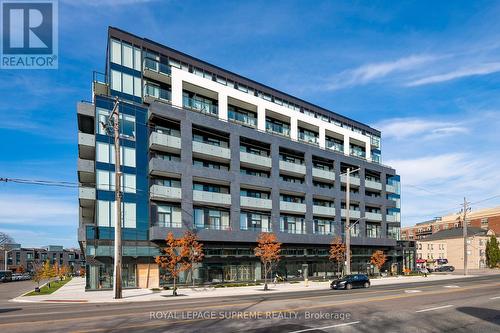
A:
(29, 34)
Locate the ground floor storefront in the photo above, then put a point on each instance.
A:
(236, 263)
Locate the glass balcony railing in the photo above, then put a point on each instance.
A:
(242, 118)
(358, 152)
(157, 92)
(156, 66)
(277, 129)
(308, 138)
(197, 105)
(335, 146)
(256, 229)
(165, 224)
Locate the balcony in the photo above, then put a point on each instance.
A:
(335, 146)
(353, 180)
(376, 185)
(277, 129)
(155, 70)
(214, 198)
(293, 168)
(391, 188)
(255, 160)
(86, 146)
(323, 174)
(292, 207)
(86, 196)
(390, 218)
(165, 193)
(242, 119)
(165, 142)
(86, 171)
(358, 153)
(353, 214)
(323, 211)
(211, 152)
(256, 203)
(197, 105)
(307, 138)
(155, 93)
(373, 216)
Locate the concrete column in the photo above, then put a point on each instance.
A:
(234, 145)
(322, 137)
(347, 149)
(176, 88)
(362, 208)
(258, 271)
(294, 131)
(275, 193)
(309, 197)
(261, 117)
(187, 177)
(222, 106)
(368, 148)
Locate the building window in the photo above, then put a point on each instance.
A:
(106, 181)
(292, 224)
(105, 153)
(209, 218)
(324, 226)
(255, 221)
(373, 230)
(106, 214)
(168, 216)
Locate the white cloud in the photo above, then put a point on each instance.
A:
(370, 72)
(401, 128)
(482, 69)
(432, 169)
(38, 209)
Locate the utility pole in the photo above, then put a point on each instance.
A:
(347, 222)
(114, 118)
(464, 212)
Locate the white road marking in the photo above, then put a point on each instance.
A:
(452, 286)
(411, 291)
(495, 297)
(324, 327)
(436, 308)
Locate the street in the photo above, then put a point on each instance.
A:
(461, 305)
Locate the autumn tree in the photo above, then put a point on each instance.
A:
(337, 252)
(195, 248)
(378, 259)
(64, 272)
(174, 258)
(268, 250)
(47, 271)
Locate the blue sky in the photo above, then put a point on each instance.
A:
(426, 73)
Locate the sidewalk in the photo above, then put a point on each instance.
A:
(74, 291)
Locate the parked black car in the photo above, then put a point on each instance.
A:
(351, 281)
(445, 269)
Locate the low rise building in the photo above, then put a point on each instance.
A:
(486, 219)
(447, 247)
(27, 259)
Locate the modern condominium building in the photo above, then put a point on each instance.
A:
(208, 150)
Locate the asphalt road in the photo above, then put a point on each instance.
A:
(462, 305)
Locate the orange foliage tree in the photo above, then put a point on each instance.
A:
(195, 248)
(268, 250)
(337, 251)
(378, 259)
(174, 258)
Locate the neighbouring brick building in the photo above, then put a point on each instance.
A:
(29, 258)
(486, 219)
(449, 244)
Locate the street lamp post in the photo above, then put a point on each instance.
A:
(348, 245)
(347, 218)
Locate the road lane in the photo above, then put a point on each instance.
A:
(134, 316)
